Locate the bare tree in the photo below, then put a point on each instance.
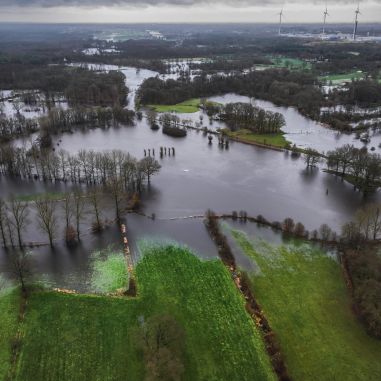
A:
(10, 230)
(79, 208)
(312, 157)
(47, 218)
(21, 268)
(20, 211)
(325, 232)
(368, 220)
(149, 166)
(17, 106)
(375, 220)
(3, 217)
(115, 187)
(95, 200)
(68, 208)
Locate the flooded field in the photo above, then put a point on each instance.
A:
(200, 176)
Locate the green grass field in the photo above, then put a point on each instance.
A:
(9, 308)
(302, 292)
(186, 107)
(246, 136)
(341, 78)
(285, 62)
(77, 337)
(291, 63)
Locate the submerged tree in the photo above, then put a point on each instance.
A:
(3, 217)
(47, 217)
(151, 117)
(19, 211)
(116, 189)
(312, 157)
(68, 208)
(79, 209)
(149, 166)
(95, 201)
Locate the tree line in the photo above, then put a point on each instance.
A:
(72, 209)
(121, 181)
(80, 86)
(58, 120)
(356, 165)
(363, 263)
(86, 167)
(13, 127)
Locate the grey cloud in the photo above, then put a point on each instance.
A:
(98, 3)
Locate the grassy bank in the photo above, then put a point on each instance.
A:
(9, 308)
(186, 107)
(77, 337)
(304, 297)
(246, 136)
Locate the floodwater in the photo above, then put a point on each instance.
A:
(305, 132)
(203, 176)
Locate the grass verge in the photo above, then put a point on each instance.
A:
(246, 136)
(304, 297)
(77, 337)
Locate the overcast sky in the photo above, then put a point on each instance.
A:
(133, 11)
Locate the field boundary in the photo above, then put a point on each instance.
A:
(252, 307)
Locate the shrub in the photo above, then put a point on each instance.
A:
(70, 235)
(174, 132)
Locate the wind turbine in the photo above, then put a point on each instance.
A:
(325, 14)
(280, 22)
(357, 13)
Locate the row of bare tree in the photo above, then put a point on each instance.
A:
(88, 167)
(71, 207)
